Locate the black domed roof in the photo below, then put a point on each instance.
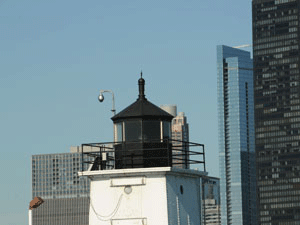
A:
(142, 108)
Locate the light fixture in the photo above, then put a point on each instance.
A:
(101, 99)
(36, 202)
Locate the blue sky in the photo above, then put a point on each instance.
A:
(55, 56)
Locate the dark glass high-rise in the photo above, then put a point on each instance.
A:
(277, 110)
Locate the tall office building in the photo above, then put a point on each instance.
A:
(211, 201)
(55, 179)
(277, 109)
(236, 136)
(180, 132)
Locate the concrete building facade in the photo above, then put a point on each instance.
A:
(211, 201)
(180, 135)
(66, 195)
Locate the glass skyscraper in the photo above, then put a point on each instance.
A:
(277, 109)
(236, 136)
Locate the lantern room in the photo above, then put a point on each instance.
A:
(142, 132)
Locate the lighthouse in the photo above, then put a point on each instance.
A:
(133, 179)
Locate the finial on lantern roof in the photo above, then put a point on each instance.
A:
(142, 87)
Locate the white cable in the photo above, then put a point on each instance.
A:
(111, 214)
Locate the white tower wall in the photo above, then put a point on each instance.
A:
(183, 208)
(155, 196)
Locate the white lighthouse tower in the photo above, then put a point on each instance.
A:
(132, 179)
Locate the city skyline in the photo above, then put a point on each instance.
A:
(56, 56)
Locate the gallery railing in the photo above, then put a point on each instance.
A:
(143, 154)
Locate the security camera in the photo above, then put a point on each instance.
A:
(101, 97)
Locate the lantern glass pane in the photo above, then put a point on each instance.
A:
(151, 130)
(133, 130)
